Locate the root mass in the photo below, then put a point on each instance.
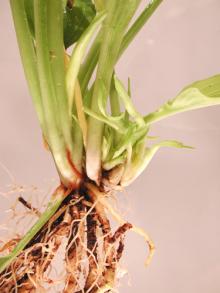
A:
(92, 250)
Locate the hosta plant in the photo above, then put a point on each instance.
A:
(98, 141)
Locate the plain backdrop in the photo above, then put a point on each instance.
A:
(177, 199)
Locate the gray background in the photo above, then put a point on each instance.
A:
(177, 199)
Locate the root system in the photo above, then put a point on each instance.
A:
(92, 249)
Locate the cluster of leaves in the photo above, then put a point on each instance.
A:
(126, 134)
(125, 130)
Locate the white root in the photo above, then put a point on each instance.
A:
(101, 198)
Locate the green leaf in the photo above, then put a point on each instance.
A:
(107, 120)
(134, 134)
(102, 104)
(77, 19)
(200, 94)
(107, 143)
(141, 159)
(122, 93)
(139, 23)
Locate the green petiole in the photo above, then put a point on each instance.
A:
(113, 33)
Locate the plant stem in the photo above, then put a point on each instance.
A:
(56, 51)
(88, 66)
(138, 24)
(115, 107)
(77, 56)
(71, 81)
(113, 32)
(55, 138)
(28, 56)
(90, 63)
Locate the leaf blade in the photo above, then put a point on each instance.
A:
(76, 20)
(200, 94)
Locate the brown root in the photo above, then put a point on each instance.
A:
(92, 250)
(29, 206)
